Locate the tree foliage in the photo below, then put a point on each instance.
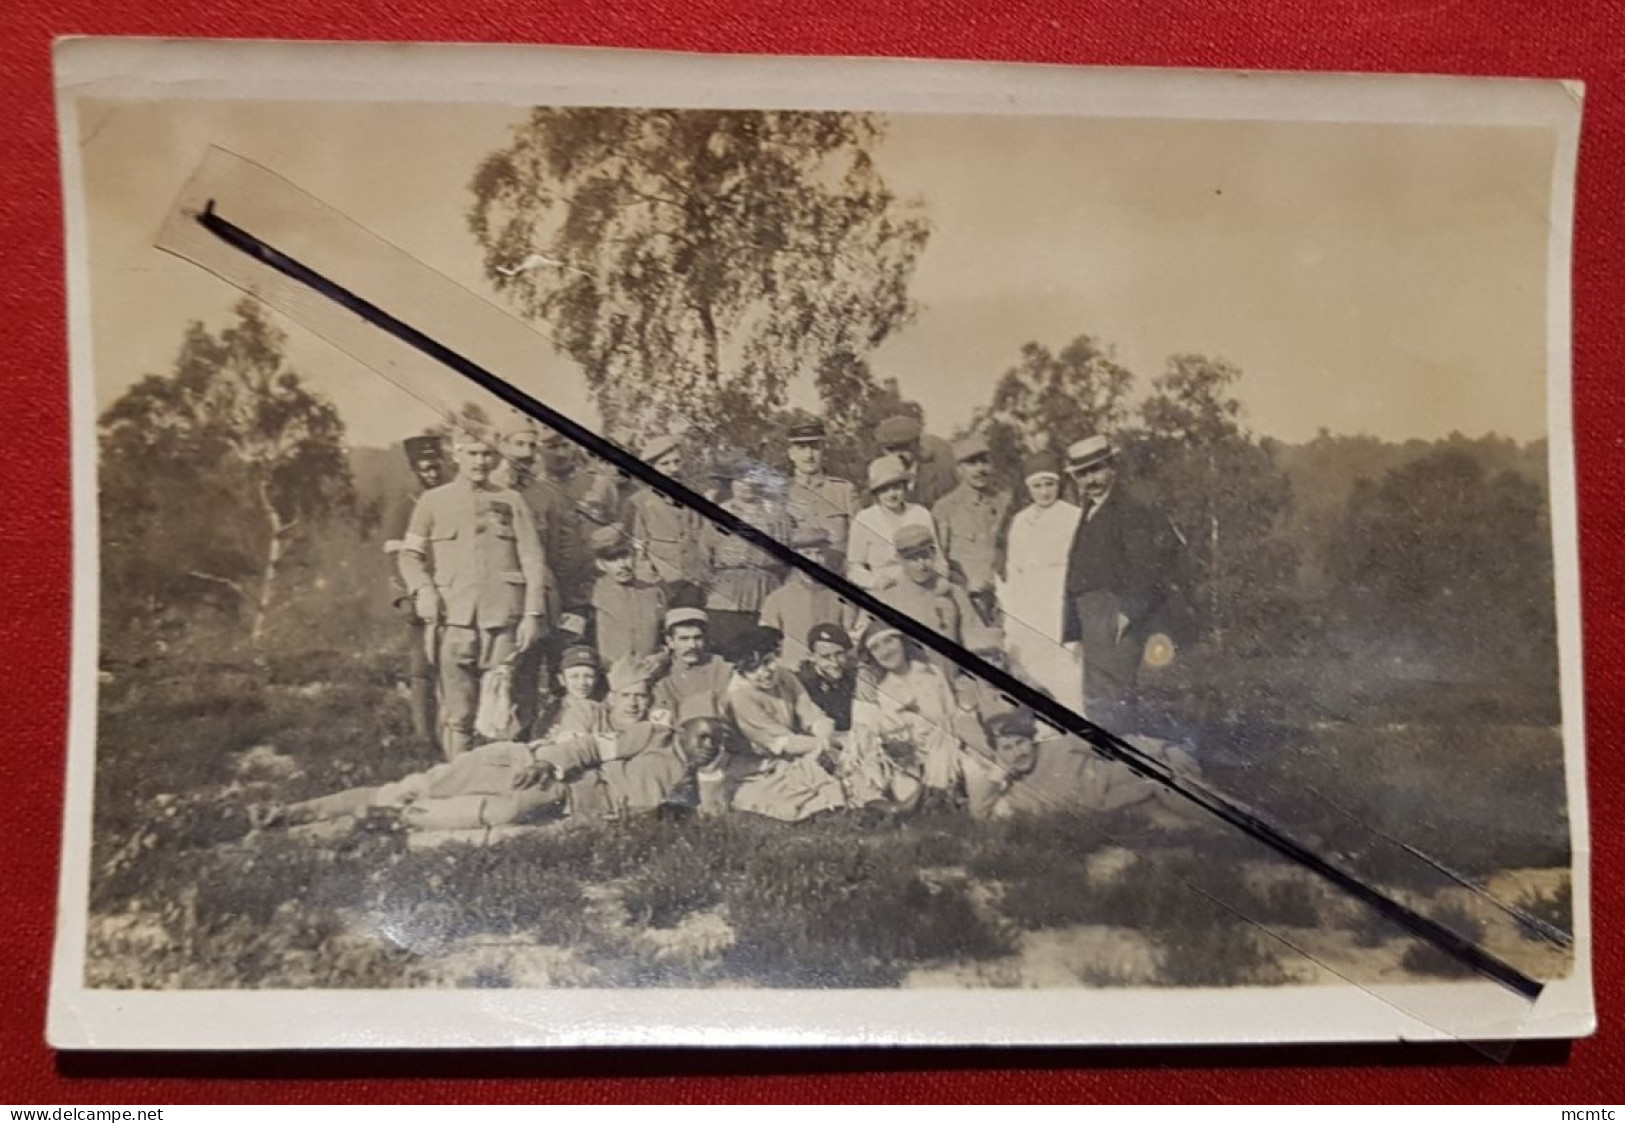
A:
(1050, 399)
(1223, 491)
(1443, 544)
(694, 262)
(210, 474)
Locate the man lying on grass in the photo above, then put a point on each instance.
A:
(1034, 775)
(640, 766)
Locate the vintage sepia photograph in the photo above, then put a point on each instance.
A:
(1227, 413)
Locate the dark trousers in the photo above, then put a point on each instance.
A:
(420, 682)
(987, 607)
(1111, 662)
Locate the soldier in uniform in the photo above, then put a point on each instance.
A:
(427, 458)
(968, 521)
(925, 594)
(628, 611)
(930, 460)
(828, 673)
(741, 575)
(674, 542)
(472, 562)
(802, 601)
(1034, 775)
(816, 499)
(587, 500)
(520, 471)
(695, 682)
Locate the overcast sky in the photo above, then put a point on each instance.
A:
(1381, 279)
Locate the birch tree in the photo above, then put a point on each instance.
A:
(694, 262)
(211, 474)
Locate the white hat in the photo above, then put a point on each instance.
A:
(1088, 452)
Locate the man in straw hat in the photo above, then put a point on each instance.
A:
(1121, 557)
(472, 562)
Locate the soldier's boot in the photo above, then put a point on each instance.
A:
(422, 688)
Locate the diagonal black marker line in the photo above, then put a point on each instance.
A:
(1105, 742)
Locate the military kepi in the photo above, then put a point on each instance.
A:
(610, 542)
(806, 433)
(912, 538)
(423, 448)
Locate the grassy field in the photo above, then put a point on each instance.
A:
(180, 898)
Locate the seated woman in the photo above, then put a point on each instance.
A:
(788, 751)
(914, 711)
(635, 765)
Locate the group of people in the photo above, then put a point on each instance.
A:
(581, 650)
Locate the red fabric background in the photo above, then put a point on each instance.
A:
(1583, 40)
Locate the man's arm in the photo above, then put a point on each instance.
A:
(412, 560)
(569, 755)
(532, 560)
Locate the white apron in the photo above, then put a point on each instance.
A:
(1032, 599)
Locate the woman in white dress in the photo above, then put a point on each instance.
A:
(1032, 592)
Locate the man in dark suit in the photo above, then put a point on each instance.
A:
(1122, 560)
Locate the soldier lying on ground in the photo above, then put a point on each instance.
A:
(638, 767)
(1038, 775)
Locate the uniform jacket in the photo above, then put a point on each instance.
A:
(936, 473)
(827, 501)
(797, 605)
(480, 549)
(610, 776)
(741, 575)
(942, 606)
(677, 542)
(968, 524)
(834, 698)
(581, 502)
(700, 691)
(627, 617)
